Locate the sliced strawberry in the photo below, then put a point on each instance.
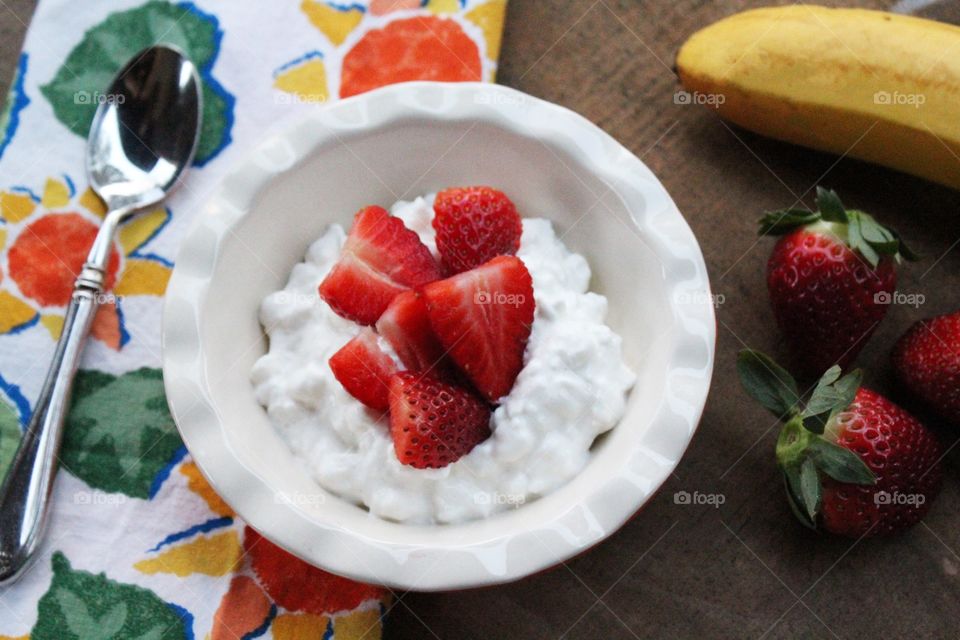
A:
(380, 259)
(364, 370)
(434, 423)
(483, 319)
(356, 292)
(406, 326)
(474, 225)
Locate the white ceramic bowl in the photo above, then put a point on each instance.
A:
(400, 142)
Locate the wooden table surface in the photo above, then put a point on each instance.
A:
(745, 569)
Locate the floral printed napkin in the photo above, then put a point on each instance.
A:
(139, 546)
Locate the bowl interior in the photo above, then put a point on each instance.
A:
(408, 158)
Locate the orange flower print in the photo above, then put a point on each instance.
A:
(362, 46)
(49, 253)
(269, 590)
(297, 586)
(418, 48)
(47, 238)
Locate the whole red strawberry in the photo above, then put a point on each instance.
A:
(831, 279)
(927, 361)
(434, 423)
(853, 462)
(474, 225)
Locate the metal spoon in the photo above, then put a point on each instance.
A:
(143, 137)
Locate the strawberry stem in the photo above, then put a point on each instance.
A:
(793, 442)
(856, 229)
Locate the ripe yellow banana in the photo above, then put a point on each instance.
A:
(876, 86)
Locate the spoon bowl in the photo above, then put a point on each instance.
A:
(145, 131)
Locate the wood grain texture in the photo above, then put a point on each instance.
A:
(14, 17)
(746, 569)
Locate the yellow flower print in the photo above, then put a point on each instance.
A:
(45, 239)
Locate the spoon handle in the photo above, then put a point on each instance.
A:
(25, 492)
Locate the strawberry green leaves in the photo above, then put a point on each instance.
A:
(119, 432)
(803, 452)
(80, 605)
(824, 396)
(810, 489)
(768, 383)
(778, 223)
(860, 230)
(797, 506)
(864, 234)
(830, 207)
(831, 395)
(840, 464)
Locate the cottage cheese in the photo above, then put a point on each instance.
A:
(572, 388)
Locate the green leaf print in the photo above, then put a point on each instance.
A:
(76, 89)
(9, 436)
(85, 606)
(119, 432)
